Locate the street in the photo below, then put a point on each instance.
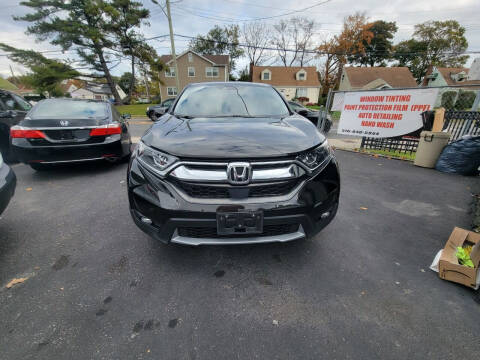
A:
(97, 287)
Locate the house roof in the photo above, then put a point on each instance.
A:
(7, 85)
(395, 76)
(214, 59)
(98, 88)
(447, 72)
(286, 75)
(65, 85)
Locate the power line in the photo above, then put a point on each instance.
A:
(316, 51)
(265, 17)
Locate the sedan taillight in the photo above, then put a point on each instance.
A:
(104, 130)
(17, 132)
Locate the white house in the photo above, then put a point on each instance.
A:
(95, 91)
(292, 81)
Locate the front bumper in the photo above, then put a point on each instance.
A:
(27, 153)
(167, 214)
(8, 182)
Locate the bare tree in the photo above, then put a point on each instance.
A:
(294, 34)
(303, 30)
(282, 40)
(256, 35)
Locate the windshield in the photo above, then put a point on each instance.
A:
(230, 101)
(59, 108)
(295, 106)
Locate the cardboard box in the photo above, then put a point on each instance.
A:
(450, 269)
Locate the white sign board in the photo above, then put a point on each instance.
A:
(385, 113)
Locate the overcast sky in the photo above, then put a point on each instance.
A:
(192, 17)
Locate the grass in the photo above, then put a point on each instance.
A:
(393, 154)
(314, 107)
(134, 110)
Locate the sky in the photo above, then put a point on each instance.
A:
(193, 17)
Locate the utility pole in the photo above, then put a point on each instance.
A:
(174, 56)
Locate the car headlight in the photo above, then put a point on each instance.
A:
(155, 160)
(314, 158)
(1, 160)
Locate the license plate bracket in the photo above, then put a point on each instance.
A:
(239, 223)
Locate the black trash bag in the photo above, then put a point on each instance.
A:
(461, 156)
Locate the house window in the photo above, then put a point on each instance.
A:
(301, 92)
(191, 71)
(170, 72)
(266, 75)
(172, 91)
(211, 72)
(301, 76)
(190, 57)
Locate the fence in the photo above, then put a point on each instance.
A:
(462, 117)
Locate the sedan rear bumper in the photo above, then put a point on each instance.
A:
(27, 153)
(8, 182)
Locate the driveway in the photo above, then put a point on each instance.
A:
(99, 288)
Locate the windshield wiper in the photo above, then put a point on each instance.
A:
(188, 117)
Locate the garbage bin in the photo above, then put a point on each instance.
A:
(430, 147)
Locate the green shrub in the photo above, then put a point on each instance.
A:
(448, 99)
(465, 100)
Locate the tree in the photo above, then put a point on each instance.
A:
(244, 74)
(125, 81)
(379, 49)
(437, 43)
(79, 24)
(292, 38)
(256, 35)
(330, 67)
(219, 41)
(45, 74)
(126, 16)
(351, 41)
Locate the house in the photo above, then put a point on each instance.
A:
(440, 76)
(70, 85)
(293, 81)
(192, 68)
(368, 78)
(95, 91)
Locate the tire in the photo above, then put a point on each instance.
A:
(328, 125)
(6, 149)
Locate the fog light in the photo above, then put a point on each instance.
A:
(325, 215)
(146, 220)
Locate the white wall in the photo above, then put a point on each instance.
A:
(290, 93)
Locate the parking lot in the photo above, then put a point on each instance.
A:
(97, 287)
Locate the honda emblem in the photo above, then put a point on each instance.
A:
(239, 173)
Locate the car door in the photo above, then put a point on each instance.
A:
(126, 139)
(14, 108)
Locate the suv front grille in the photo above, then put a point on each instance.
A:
(211, 232)
(212, 191)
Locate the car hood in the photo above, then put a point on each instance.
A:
(232, 137)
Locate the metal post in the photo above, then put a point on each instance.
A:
(322, 115)
(174, 56)
(476, 102)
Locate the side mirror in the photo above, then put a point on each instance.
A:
(126, 116)
(9, 114)
(302, 112)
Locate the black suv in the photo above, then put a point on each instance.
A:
(155, 111)
(311, 115)
(231, 163)
(13, 109)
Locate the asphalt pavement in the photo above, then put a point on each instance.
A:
(96, 287)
